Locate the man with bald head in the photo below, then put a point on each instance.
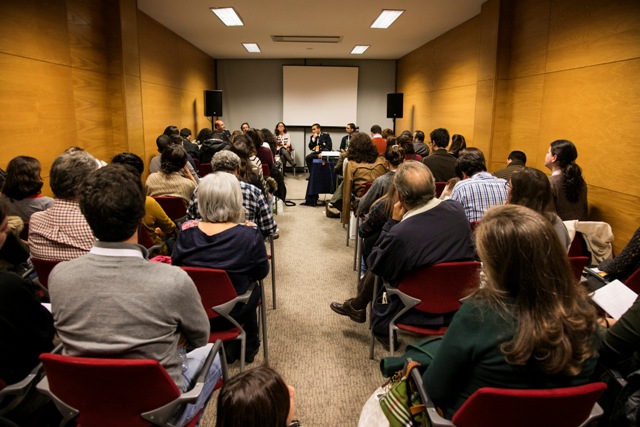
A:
(422, 231)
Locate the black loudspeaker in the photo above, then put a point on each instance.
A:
(394, 105)
(213, 103)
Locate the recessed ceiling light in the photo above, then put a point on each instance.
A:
(228, 16)
(359, 50)
(386, 18)
(251, 47)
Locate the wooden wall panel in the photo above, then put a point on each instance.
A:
(417, 113)
(36, 109)
(488, 49)
(593, 107)
(88, 34)
(159, 53)
(484, 117)
(35, 29)
(454, 109)
(599, 32)
(529, 22)
(618, 209)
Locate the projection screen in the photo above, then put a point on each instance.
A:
(325, 95)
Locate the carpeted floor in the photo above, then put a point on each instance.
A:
(323, 355)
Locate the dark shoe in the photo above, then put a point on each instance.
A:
(385, 342)
(250, 356)
(345, 309)
(332, 212)
(307, 178)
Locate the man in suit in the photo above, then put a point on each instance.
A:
(344, 144)
(440, 162)
(517, 160)
(318, 141)
(422, 231)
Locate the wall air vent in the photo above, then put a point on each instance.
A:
(307, 39)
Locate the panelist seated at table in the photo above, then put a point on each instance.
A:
(318, 141)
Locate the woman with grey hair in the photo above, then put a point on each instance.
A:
(221, 241)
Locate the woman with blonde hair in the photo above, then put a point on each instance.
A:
(530, 326)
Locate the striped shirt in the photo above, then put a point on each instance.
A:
(479, 193)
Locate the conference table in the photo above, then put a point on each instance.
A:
(322, 177)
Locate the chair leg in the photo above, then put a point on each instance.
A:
(263, 324)
(356, 245)
(348, 227)
(243, 349)
(373, 300)
(359, 260)
(273, 271)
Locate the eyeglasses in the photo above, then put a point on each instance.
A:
(507, 184)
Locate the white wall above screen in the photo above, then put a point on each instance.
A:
(325, 95)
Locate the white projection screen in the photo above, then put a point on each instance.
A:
(325, 95)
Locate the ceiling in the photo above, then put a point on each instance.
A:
(422, 21)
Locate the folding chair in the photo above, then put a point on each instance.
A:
(498, 407)
(43, 268)
(173, 206)
(118, 392)
(436, 289)
(219, 297)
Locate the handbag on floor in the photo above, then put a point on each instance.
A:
(401, 404)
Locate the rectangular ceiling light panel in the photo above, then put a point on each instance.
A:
(306, 39)
(228, 16)
(251, 47)
(386, 18)
(359, 50)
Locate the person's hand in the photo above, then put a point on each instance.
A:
(398, 211)
(158, 231)
(187, 174)
(250, 224)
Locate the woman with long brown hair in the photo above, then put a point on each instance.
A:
(531, 325)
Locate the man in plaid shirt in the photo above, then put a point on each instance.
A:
(478, 190)
(256, 207)
(61, 232)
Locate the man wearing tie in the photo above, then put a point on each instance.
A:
(318, 142)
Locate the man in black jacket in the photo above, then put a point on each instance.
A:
(318, 142)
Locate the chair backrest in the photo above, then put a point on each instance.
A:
(498, 407)
(440, 188)
(205, 169)
(144, 238)
(265, 170)
(109, 392)
(214, 286)
(173, 206)
(440, 286)
(24, 234)
(578, 263)
(43, 269)
(578, 246)
(633, 282)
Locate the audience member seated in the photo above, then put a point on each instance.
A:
(122, 305)
(22, 188)
(478, 190)
(221, 241)
(283, 146)
(406, 144)
(162, 142)
(422, 231)
(627, 261)
(363, 166)
(264, 154)
(515, 162)
(174, 179)
(394, 157)
(255, 398)
(567, 184)
(221, 131)
(446, 192)
(255, 206)
(419, 147)
(530, 326)
(346, 140)
(210, 145)
(378, 215)
(441, 163)
(379, 141)
(191, 148)
(620, 347)
(530, 188)
(160, 227)
(61, 232)
(458, 143)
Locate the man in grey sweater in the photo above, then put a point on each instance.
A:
(114, 303)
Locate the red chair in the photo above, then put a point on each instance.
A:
(578, 246)
(633, 282)
(498, 407)
(24, 234)
(205, 169)
(265, 170)
(440, 188)
(219, 297)
(144, 239)
(117, 392)
(436, 289)
(43, 268)
(578, 264)
(173, 206)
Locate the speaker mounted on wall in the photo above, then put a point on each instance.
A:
(394, 105)
(213, 103)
